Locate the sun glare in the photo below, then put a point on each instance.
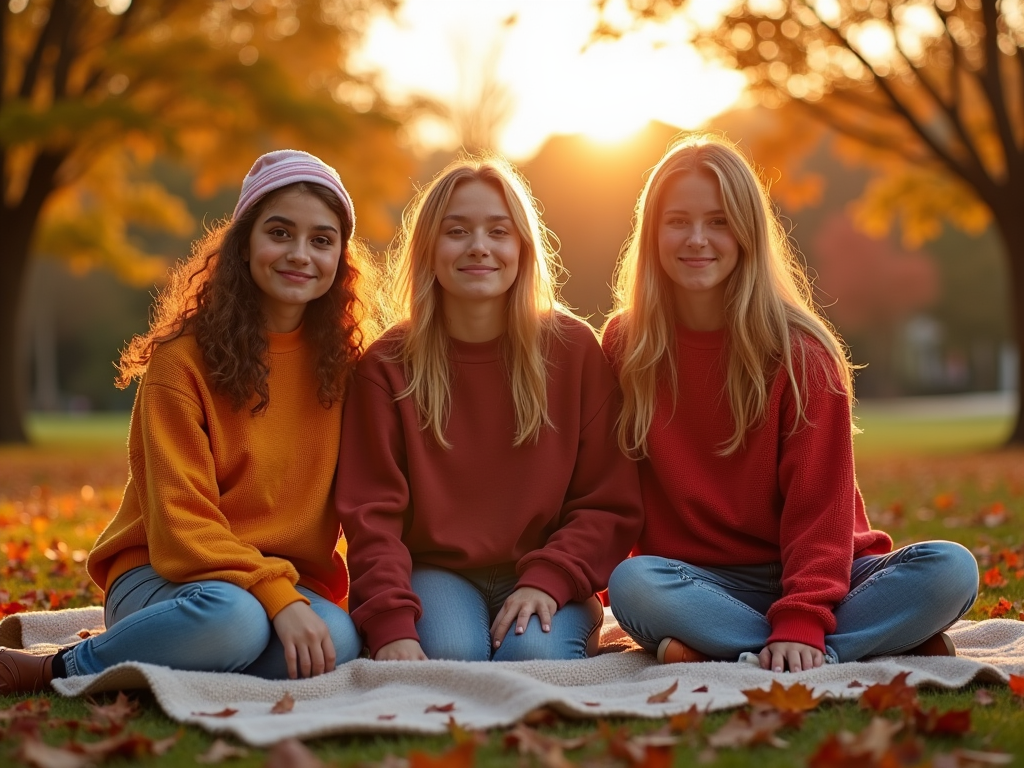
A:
(559, 82)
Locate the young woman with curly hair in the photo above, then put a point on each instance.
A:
(737, 403)
(479, 482)
(222, 554)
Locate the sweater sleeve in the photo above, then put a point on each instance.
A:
(816, 479)
(372, 499)
(602, 514)
(188, 536)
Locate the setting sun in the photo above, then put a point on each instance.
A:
(540, 56)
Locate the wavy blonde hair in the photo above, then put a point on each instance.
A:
(532, 307)
(769, 309)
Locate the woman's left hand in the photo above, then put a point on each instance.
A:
(792, 656)
(518, 608)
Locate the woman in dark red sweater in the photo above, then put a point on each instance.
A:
(479, 482)
(737, 401)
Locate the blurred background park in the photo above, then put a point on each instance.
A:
(891, 132)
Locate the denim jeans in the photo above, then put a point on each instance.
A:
(459, 606)
(205, 626)
(896, 601)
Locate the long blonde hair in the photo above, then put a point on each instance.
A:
(768, 308)
(532, 306)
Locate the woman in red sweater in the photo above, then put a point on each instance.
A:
(222, 555)
(479, 483)
(737, 401)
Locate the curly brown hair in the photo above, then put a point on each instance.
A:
(213, 296)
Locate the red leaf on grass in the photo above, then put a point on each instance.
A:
(984, 698)
(662, 696)
(955, 722)
(1016, 684)
(459, 756)
(449, 707)
(745, 729)
(39, 755)
(117, 713)
(993, 578)
(292, 753)
(895, 694)
(690, 720)
(1001, 608)
(226, 712)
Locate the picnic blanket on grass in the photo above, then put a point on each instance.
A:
(364, 696)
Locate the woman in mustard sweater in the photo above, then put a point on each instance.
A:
(222, 555)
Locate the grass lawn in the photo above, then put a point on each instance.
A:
(921, 479)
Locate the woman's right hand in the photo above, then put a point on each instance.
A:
(401, 650)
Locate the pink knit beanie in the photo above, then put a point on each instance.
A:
(287, 166)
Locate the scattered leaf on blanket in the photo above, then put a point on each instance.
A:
(39, 755)
(117, 713)
(386, 717)
(984, 698)
(285, 705)
(895, 694)
(449, 707)
(700, 689)
(745, 729)
(292, 753)
(955, 722)
(459, 756)
(994, 579)
(663, 696)
(1016, 684)
(84, 633)
(226, 712)
(690, 720)
(592, 703)
(220, 751)
(796, 698)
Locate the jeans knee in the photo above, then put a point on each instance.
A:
(955, 573)
(452, 648)
(229, 618)
(346, 640)
(535, 645)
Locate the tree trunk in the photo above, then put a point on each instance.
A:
(1010, 223)
(12, 293)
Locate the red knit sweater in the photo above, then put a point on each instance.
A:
(782, 497)
(564, 510)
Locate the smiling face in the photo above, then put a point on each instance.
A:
(476, 257)
(696, 248)
(294, 251)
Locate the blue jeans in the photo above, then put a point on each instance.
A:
(204, 626)
(459, 606)
(896, 601)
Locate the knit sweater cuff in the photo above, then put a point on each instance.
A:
(386, 627)
(275, 594)
(548, 578)
(792, 626)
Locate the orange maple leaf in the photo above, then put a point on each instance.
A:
(1011, 558)
(459, 756)
(1016, 684)
(1001, 608)
(944, 501)
(796, 698)
(895, 694)
(955, 722)
(285, 705)
(689, 720)
(994, 578)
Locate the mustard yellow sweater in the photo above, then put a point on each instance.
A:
(215, 493)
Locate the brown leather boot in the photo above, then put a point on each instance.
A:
(939, 644)
(23, 672)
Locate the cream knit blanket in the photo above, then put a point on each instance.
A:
(419, 697)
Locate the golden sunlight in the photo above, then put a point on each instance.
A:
(530, 68)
